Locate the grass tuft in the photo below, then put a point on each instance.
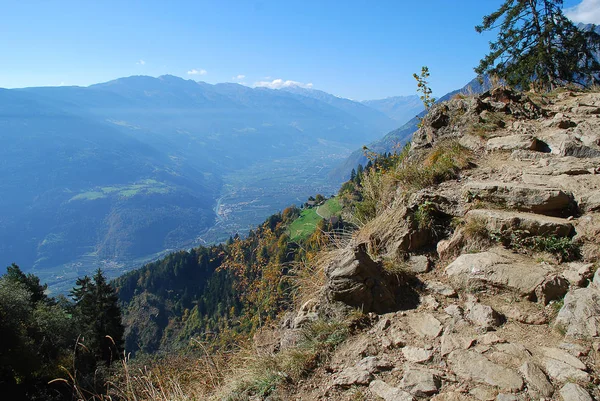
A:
(442, 163)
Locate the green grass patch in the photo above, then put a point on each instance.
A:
(330, 208)
(305, 225)
(91, 195)
(145, 187)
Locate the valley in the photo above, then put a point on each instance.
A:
(118, 174)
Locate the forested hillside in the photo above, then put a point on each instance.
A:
(221, 293)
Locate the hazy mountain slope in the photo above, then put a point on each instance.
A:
(399, 108)
(362, 112)
(397, 138)
(114, 173)
(75, 187)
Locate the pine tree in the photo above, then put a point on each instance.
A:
(359, 174)
(97, 308)
(30, 281)
(353, 175)
(537, 44)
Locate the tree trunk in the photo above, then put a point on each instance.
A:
(544, 40)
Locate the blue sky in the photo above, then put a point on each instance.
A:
(355, 49)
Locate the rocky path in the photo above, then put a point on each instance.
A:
(491, 322)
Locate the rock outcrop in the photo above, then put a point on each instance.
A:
(493, 320)
(354, 279)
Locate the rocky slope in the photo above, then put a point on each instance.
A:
(482, 287)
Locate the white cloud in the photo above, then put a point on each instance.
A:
(238, 77)
(141, 62)
(280, 83)
(197, 72)
(588, 12)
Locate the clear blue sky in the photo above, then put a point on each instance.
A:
(356, 49)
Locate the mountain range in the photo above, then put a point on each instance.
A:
(399, 108)
(117, 173)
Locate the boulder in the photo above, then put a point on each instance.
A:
(563, 356)
(352, 376)
(523, 197)
(396, 231)
(563, 144)
(513, 142)
(441, 289)
(490, 339)
(590, 202)
(510, 354)
(561, 122)
(471, 365)
(574, 392)
(454, 311)
(560, 371)
(420, 382)
(453, 341)
(394, 338)
(568, 165)
(375, 364)
(471, 142)
(389, 393)
(425, 325)
(580, 314)
(418, 264)
(580, 186)
(577, 273)
(553, 288)
(575, 349)
(354, 279)
(308, 313)
(537, 379)
(497, 268)
(417, 355)
(502, 221)
(483, 316)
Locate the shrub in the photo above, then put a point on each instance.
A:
(562, 247)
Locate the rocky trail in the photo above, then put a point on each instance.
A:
(478, 319)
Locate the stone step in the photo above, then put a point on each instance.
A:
(581, 186)
(515, 142)
(499, 268)
(523, 197)
(536, 224)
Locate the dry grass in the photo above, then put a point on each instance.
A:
(475, 236)
(378, 192)
(255, 375)
(443, 162)
(396, 266)
(308, 277)
(168, 378)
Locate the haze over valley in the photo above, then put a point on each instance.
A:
(118, 173)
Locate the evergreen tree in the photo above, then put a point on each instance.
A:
(537, 44)
(99, 314)
(353, 175)
(30, 281)
(359, 174)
